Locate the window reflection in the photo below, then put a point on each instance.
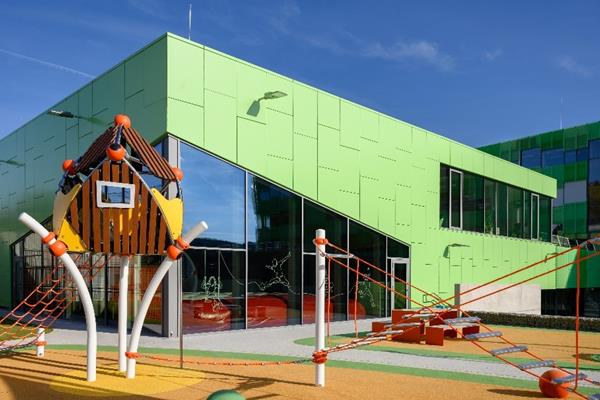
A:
(213, 290)
(531, 158)
(274, 251)
(552, 157)
(369, 246)
(214, 192)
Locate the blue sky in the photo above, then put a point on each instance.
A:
(478, 72)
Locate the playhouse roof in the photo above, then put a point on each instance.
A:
(146, 153)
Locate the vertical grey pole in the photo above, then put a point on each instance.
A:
(122, 312)
(180, 304)
(320, 307)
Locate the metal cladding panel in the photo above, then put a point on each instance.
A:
(368, 166)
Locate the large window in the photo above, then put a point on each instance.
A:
(336, 227)
(490, 204)
(274, 251)
(515, 212)
(456, 199)
(476, 204)
(473, 202)
(553, 157)
(213, 191)
(531, 158)
(594, 188)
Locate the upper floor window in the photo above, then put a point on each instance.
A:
(553, 157)
(595, 149)
(473, 203)
(531, 158)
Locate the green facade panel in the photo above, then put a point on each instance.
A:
(368, 166)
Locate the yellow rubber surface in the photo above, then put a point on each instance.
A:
(23, 376)
(149, 380)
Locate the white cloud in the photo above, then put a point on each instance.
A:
(492, 55)
(569, 64)
(421, 50)
(153, 8)
(281, 20)
(46, 63)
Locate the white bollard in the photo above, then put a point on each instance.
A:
(320, 307)
(40, 344)
(122, 317)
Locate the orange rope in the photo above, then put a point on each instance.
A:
(458, 307)
(231, 364)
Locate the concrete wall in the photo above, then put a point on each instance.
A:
(524, 299)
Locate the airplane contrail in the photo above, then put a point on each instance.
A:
(46, 63)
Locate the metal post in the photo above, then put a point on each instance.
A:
(122, 318)
(82, 289)
(180, 305)
(320, 307)
(41, 342)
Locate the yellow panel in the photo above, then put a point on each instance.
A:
(172, 211)
(61, 206)
(68, 235)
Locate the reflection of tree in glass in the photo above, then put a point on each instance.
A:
(364, 290)
(279, 275)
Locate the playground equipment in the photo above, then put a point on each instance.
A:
(411, 326)
(104, 205)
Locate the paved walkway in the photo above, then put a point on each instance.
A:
(280, 341)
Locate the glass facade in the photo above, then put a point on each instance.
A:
(531, 158)
(255, 266)
(594, 188)
(552, 157)
(487, 206)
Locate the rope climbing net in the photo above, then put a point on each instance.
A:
(426, 314)
(22, 326)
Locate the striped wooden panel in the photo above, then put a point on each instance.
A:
(96, 151)
(152, 227)
(85, 213)
(155, 162)
(141, 230)
(106, 248)
(125, 232)
(136, 216)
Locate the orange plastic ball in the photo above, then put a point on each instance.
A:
(178, 173)
(553, 390)
(115, 152)
(68, 166)
(122, 119)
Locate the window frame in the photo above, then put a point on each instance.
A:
(102, 204)
(537, 227)
(461, 174)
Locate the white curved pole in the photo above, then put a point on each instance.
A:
(122, 318)
(84, 295)
(160, 273)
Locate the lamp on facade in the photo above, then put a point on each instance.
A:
(273, 95)
(69, 114)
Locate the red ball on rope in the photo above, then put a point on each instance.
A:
(553, 390)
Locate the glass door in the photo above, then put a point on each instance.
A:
(399, 268)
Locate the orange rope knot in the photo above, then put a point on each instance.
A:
(48, 238)
(321, 241)
(131, 354)
(319, 357)
(41, 343)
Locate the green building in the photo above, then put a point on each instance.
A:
(572, 157)
(267, 160)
